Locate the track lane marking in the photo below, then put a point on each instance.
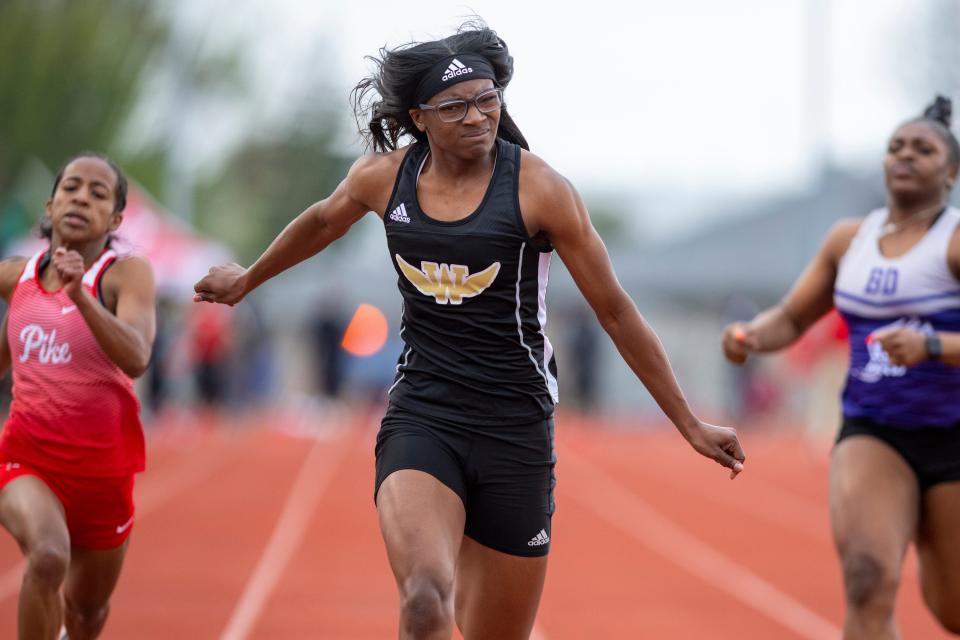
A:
(605, 496)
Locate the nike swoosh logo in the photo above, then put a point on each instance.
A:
(125, 526)
(65, 310)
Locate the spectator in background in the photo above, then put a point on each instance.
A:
(743, 401)
(326, 332)
(157, 383)
(584, 346)
(211, 339)
(252, 357)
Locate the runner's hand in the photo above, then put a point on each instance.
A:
(224, 284)
(69, 266)
(906, 347)
(720, 444)
(738, 342)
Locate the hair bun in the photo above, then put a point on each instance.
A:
(941, 111)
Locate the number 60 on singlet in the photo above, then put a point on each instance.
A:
(882, 281)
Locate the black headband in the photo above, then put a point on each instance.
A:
(450, 71)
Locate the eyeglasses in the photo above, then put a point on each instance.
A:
(456, 110)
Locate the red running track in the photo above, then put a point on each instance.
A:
(251, 532)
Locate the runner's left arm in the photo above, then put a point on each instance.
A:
(555, 208)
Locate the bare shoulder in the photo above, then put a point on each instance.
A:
(130, 277)
(372, 164)
(547, 198)
(132, 265)
(10, 270)
(953, 252)
(371, 178)
(129, 271)
(955, 238)
(840, 236)
(540, 179)
(845, 228)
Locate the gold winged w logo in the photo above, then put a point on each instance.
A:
(448, 283)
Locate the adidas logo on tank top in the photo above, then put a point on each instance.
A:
(474, 303)
(400, 214)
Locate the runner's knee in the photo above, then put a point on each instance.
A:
(868, 582)
(84, 616)
(426, 603)
(47, 563)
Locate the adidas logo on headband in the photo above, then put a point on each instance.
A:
(455, 69)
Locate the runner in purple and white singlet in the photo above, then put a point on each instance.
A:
(895, 469)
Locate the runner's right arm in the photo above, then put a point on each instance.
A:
(366, 188)
(10, 270)
(808, 300)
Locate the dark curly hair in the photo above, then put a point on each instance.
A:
(384, 98)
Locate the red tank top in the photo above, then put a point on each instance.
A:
(73, 410)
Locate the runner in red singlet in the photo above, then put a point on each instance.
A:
(79, 327)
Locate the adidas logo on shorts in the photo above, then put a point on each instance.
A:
(455, 69)
(400, 214)
(540, 539)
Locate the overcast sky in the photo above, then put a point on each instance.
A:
(695, 99)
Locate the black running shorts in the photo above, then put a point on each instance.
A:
(932, 452)
(503, 474)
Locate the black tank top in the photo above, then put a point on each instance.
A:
(473, 304)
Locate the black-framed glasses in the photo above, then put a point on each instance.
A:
(456, 110)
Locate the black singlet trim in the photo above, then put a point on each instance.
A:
(103, 272)
(396, 181)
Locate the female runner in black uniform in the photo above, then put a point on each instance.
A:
(464, 483)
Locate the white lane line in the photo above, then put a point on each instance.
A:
(618, 506)
(782, 508)
(315, 474)
(774, 505)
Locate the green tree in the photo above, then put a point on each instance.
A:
(71, 73)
